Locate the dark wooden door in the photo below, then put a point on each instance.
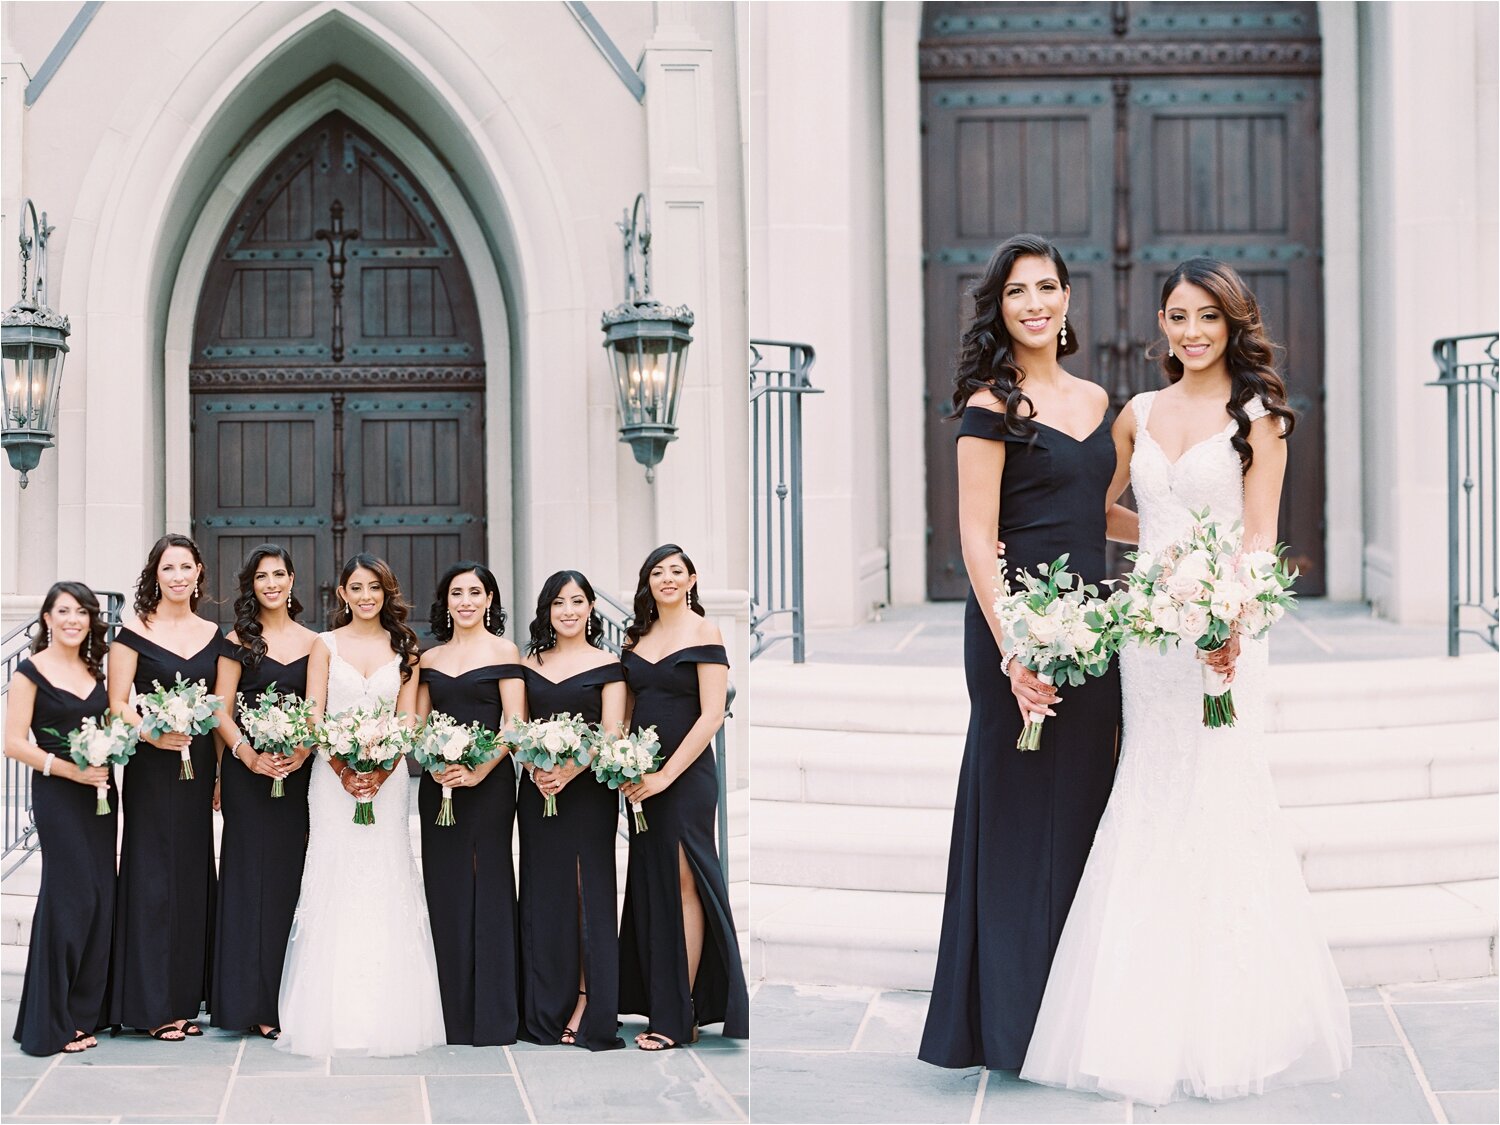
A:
(338, 401)
(1134, 136)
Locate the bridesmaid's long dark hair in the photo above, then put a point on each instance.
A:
(542, 635)
(148, 589)
(1250, 356)
(247, 625)
(643, 609)
(94, 644)
(986, 358)
(393, 608)
(440, 622)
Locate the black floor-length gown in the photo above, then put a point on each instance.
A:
(1024, 820)
(575, 848)
(67, 961)
(653, 956)
(164, 908)
(260, 868)
(468, 872)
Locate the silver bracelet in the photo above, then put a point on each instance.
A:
(234, 751)
(1005, 659)
(47, 765)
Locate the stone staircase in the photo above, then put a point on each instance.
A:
(18, 891)
(1387, 769)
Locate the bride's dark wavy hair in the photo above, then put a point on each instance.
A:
(247, 625)
(393, 608)
(543, 636)
(1250, 356)
(643, 610)
(986, 357)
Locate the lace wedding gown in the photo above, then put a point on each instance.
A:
(1191, 963)
(360, 976)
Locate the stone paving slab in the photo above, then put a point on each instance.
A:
(1456, 1043)
(793, 1086)
(477, 1098)
(136, 1090)
(293, 1098)
(628, 1086)
(1471, 1109)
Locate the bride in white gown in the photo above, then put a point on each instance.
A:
(360, 975)
(1191, 963)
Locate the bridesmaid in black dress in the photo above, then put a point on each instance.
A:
(67, 962)
(570, 954)
(1024, 821)
(473, 675)
(265, 838)
(679, 958)
(165, 898)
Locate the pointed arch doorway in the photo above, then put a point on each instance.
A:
(337, 377)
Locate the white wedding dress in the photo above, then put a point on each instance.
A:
(360, 975)
(1191, 963)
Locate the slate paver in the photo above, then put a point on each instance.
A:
(624, 1086)
(1471, 1109)
(1372, 1027)
(1479, 989)
(1456, 1043)
(1008, 1099)
(478, 1098)
(293, 1098)
(730, 1067)
(434, 1060)
(150, 1091)
(793, 1086)
(894, 1023)
(809, 1017)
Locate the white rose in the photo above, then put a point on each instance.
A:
(97, 747)
(458, 742)
(1196, 566)
(1192, 623)
(1274, 611)
(1253, 619)
(1044, 630)
(552, 739)
(1256, 567)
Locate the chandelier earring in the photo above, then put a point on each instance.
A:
(88, 645)
(449, 615)
(49, 636)
(551, 636)
(486, 617)
(1062, 337)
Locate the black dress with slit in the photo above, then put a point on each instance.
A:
(575, 848)
(164, 908)
(67, 960)
(261, 851)
(680, 819)
(1023, 821)
(468, 872)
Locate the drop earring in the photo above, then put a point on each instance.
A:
(49, 636)
(88, 646)
(1062, 337)
(449, 615)
(486, 617)
(1170, 353)
(551, 636)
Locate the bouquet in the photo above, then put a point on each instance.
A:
(1057, 626)
(629, 757)
(444, 742)
(366, 739)
(184, 708)
(547, 744)
(277, 724)
(106, 741)
(1203, 589)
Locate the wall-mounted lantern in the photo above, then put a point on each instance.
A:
(35, 343)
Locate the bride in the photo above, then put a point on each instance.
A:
(1191, 963)
(360, 974)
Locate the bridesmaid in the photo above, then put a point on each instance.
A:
(679, 958)
(569, 952)
(1023, 821)
(265, 839)
(472, 675)
(67, 962)
(165, 902)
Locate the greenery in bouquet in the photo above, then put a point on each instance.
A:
(367, 740)
(622, 758)
(279, 723)
(547, 744)
(184, 708)
(106, 741)
(443, 741)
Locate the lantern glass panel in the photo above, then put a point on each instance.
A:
(28, 381)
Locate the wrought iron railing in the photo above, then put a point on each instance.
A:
(616, 619)
(20, 829)
(778, 383)
(1467, 372)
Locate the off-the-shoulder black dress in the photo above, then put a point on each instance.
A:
(261, 851)
(164, 907)
(469, 874)
(1024, 820)
(653, 957)
(67, 961)
(575, 848)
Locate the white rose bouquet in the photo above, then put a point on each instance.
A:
(1203, 589)
(277, 724)
(1057, 626)
(184, 708)
(105, 741)
(366, 739)
(546, 744)
(624, 758)
(442, 742)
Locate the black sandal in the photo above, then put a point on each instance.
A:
(191, 1029)
(569, 1036)
(76, 1046)
(271, 1033)
(164, 1033)
(661, 1041)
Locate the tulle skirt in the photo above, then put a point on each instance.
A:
(360, 976)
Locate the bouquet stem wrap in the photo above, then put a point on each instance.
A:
(445, 814)
(101, 804)
(1031, 733)
(640, 815)
(186, 772)
(277, 788)
(1218, 701)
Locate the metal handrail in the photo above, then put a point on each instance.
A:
(20, 825)
(776, 585)
(616, 619)
(1468, 373)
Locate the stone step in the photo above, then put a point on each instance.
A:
(853, 767)
(888, 939)
(1351, 695)
(1388, 843)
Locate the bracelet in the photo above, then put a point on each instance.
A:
(47, 765)
(1005, 659)
(234, 750)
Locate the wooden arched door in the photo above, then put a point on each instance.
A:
(1134, 135)
(337, 376)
